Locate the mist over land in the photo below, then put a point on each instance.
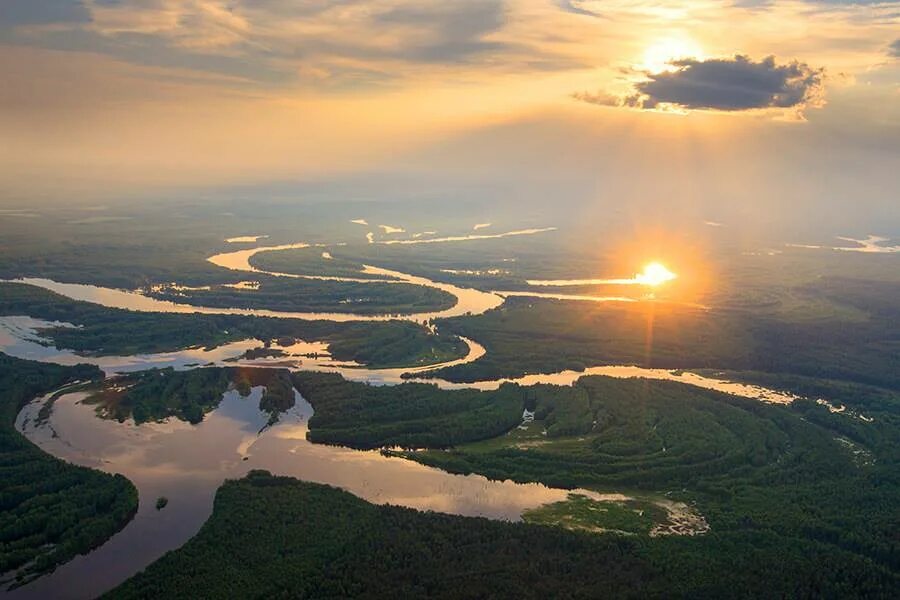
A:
(507, 298)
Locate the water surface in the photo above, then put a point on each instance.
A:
(187, 463)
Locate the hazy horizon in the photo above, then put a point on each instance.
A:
(731, 111)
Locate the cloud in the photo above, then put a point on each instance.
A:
(598, 98)
(336, 43)
(724, 84)
(577, 7)
(894, 48)
(448, 32)
(41, 12)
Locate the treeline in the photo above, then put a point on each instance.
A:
(529, 335)
(108, 331)
(411, 415)
(796, 476)
(309, 261)
(278, 537)
(608, 433)
(50, 511)
(157, 394)
(870, 415)
(318, 295)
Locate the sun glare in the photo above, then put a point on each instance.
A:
(659, 56)
(655, 274)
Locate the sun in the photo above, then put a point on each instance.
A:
(654, 274)
(659, 56)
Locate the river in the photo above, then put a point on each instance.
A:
(187, 463)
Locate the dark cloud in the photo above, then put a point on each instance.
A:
(260, 49)
(456, 29)
(39, 12)
(574, 7)
(731, 84)
(894, 48)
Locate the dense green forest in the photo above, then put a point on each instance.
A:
(316, 295)
(798, 477)
(157, 394)
(605, 432)
(801, 501)
(309, 261)
(411, 415)
(279, 537)
(109, 331)
(114, 256)
(50, 511)
(529, 335)
(358, 415)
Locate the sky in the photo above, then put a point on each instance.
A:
(727, 107)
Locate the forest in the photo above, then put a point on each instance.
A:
(290, 294)
(412, 415)
(309, 261)
(279, 537)
(798, 478)
(50, 510)
(157, 394)
(801, 500)
(529, 335)
(109, 331)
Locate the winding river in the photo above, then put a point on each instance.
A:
(187, 463)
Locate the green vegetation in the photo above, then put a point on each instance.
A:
(187, 395)
(582, 513)
(309, 261)
(317, 295)
(358, 415)
(543, 336)
(161, 502)
(278, 537)
(763, 476)
(411, 415)
(801, 501)
(50, 511)
(870, 415)
(864, 398)
(528, 335)
(480, 264)
(107, 331)
(108, 254)
(610, 433)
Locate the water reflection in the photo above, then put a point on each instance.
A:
(18, 337)
(576, 297)
(245, 239)
(468, 300)
(187, 463)
(743, 390)
(470, 237)
(872, 244)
